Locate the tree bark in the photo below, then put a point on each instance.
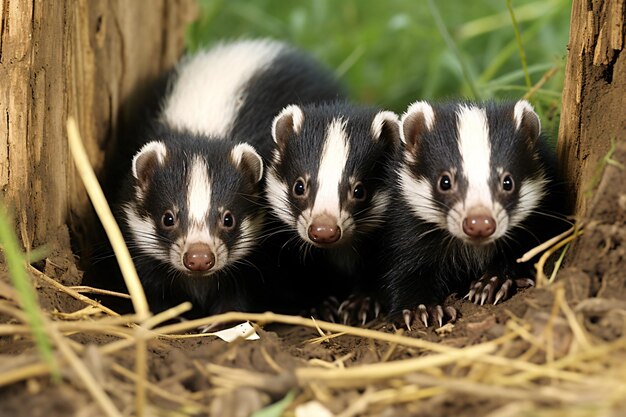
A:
(594, 95)
(72, 57)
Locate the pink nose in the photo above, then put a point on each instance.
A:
(479, 223)
(324, 229)
(198, 258)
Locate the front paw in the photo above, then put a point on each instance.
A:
(494, 288)
(434, 314)
(355, 310)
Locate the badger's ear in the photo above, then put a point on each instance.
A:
(147, 160)
(418, 119)
(287, 123)
(386, 128)
(248, 161)
(526, 120)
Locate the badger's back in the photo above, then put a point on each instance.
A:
(235, 89)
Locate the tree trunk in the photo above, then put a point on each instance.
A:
(594, 95)
(593, 116)
(79, 58)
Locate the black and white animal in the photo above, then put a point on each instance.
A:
(325, 187)
(473, 188)
(192, 211)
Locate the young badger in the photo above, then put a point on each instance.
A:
(473, 189)
(191, 213)
(325, 189)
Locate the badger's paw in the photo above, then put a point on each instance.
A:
(493, 289)
(430, 315)
(356, 310)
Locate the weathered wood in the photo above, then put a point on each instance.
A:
(594, 95)
(80, 58)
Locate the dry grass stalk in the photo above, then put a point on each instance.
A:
(70, 292)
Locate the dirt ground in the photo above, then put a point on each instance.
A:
(201, 375)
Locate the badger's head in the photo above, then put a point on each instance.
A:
(473, 170)
(195, 204)
(326, 177)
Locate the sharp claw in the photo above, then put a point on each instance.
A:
(499, 295)
(484, 295)
(451, 313)
(344, 317)
(423, 312)
(376, 309)
(363, 318)
(524, 282)
(343, 306)
(407, 318)
(438, 315)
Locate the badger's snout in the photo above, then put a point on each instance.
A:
(479, 223)
(324, 229)
(198, 257)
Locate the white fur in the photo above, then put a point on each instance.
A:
(238, 152)
(199, 233)
(157, 147)
(144, 234)
(379, 121)
(296, 115)
(520, 108)
(332, 164)
(209, 87)
(418, 107)
(418, 194)
(531, 193)
(250, 230)
(475, 148)
(198, 192)
(277, 193)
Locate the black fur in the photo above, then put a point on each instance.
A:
(291, 77)
(311, 274)
(423, 262)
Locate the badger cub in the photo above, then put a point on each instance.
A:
(192, 212)
(473, 188)
(326, 190)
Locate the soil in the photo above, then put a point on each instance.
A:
(594, 284)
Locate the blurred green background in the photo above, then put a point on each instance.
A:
(390, 53)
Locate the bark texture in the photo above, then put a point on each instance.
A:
(80, 58)
(594, 95)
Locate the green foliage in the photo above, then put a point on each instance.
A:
(391, 53)
(16, 262)
(276, 409)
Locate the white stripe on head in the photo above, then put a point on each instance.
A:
(209, 87)
(418, 194)
(198, 192)
(332, 164)
(475, 149)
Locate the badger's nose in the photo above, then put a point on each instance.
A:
(479, 223)
(198, 257)
(324, 229)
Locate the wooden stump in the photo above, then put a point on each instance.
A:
(79, 58)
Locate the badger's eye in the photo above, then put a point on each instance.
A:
(299, 188)
(359, 191)
(508, 184)
(445, 182)
(168, 220)
(228, 220)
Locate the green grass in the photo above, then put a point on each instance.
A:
(16, 262)
(391, 53)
